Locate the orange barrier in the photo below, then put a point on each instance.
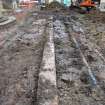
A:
(27, 5)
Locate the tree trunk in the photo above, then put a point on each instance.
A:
(7, 4)
(1, 7)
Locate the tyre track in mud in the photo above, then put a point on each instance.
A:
(68, 66)
(91, 52)
(93, 57)
(75, 86)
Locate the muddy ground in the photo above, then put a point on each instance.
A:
(20, 58)
(75, 86)
(21, 51)
(95, 29)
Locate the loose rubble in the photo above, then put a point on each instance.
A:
(53, 62)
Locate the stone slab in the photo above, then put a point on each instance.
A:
(10, 21)
(47, 89)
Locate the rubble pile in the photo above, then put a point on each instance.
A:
(55, 5)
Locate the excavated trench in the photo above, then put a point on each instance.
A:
(75, 85)
(68, 68)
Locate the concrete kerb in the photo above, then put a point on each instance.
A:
(47, 89)
(11, 20)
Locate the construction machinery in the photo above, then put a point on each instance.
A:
(87, 3)
(82, 6)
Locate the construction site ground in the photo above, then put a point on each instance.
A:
(75, 65)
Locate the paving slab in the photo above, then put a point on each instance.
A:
(47, 89)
